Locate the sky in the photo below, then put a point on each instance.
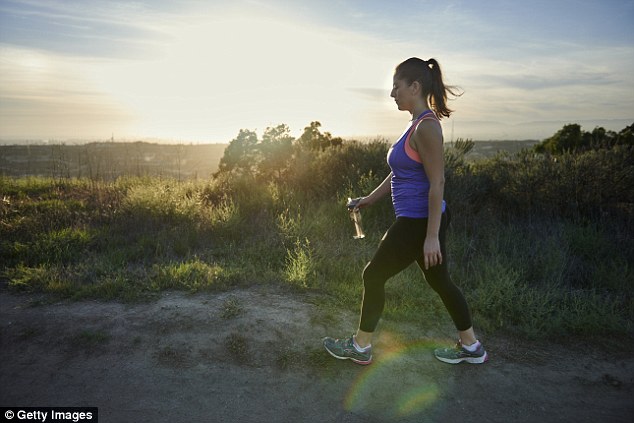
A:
(199, 71)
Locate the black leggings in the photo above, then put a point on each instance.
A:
(401, 245)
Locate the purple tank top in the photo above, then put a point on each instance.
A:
(410, 184)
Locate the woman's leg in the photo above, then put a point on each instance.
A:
(400, 247)
(395, 253)
(440, 281)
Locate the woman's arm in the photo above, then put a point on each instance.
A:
(427, 141)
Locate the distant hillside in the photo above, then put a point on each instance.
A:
(486, 149)
(111, 160)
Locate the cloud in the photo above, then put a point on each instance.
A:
(192, 69)
(217, 73)
(548, 82)
(93, 29)
(372, 94)
(48, 95)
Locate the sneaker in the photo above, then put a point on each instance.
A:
(458, 354)
(344, 349)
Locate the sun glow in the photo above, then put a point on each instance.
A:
(201, 71)
(217, 76)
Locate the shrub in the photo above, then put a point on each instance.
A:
(589, 185)
(541, 244)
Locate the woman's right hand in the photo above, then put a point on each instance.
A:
(359, 203)
(379, 192)
(363, 202)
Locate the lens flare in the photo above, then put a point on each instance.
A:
(397, 383)
(416, 400)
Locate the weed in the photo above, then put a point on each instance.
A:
(238, 347)
(28, 333)
(231, 308)
(88, 339)
(171, 356)
(299, 264)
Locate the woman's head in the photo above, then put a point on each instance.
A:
(428, 75)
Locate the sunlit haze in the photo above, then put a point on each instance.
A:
(199, 71)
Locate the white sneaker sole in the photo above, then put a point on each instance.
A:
(471, 360)
(354, 360)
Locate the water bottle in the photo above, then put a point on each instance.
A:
(355, 216)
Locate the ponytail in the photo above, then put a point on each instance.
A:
(429, 75)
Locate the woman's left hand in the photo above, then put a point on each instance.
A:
(432, 254)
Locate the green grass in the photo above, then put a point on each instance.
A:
(193, 275)
(129, 239)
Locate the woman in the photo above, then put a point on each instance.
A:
(416, 184)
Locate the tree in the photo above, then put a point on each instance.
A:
(276, 149)
(241, 154)
(626, 136)
(313, 139)
(572, 139)
(566, 139)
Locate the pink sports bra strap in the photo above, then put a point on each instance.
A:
(411, 153)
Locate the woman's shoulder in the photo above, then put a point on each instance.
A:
(426, 130)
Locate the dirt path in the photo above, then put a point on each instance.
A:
(255, 356)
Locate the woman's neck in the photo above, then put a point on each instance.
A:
(418, 112)
(419, 109)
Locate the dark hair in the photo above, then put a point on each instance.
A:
(430, 77)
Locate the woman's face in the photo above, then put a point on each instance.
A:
(402, 94)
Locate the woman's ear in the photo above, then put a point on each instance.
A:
(415, 87)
